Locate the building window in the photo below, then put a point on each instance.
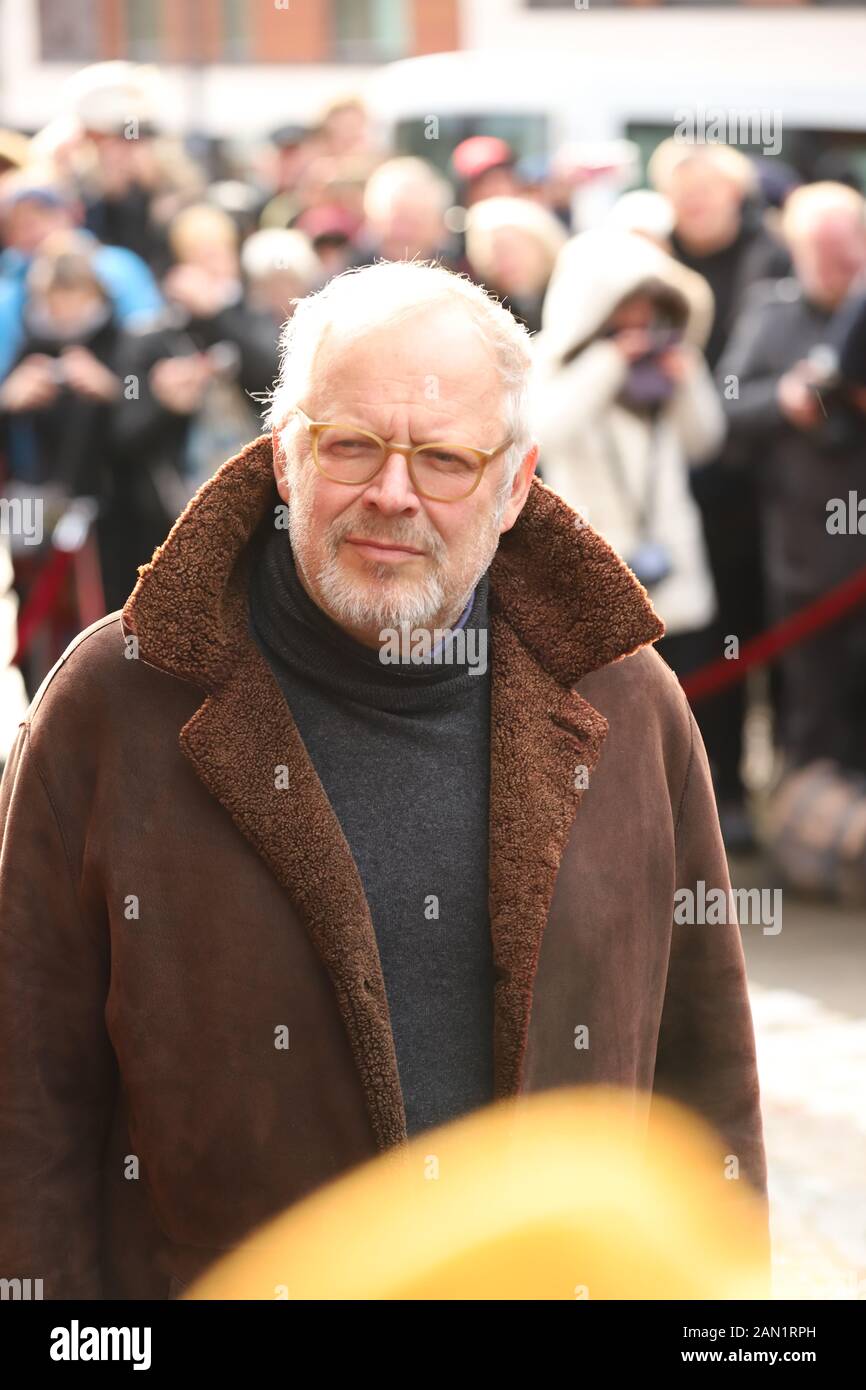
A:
(236, 45)
(370, 31)
(68, 33)
(142, 30)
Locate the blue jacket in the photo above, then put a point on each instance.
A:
(128, 280)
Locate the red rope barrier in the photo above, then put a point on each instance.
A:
(42, 599)
(814, 616)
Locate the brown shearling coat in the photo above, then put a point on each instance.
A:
(164, 907)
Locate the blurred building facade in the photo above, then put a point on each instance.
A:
(238, 67)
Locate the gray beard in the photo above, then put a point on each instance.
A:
(418, 603)
(391, 605)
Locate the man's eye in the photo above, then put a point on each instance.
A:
(442, 459)
(348, 444)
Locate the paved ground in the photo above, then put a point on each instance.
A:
(808, 990)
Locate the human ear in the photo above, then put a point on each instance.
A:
(519, 489)
(281, 464)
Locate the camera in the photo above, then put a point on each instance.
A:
(841, 426)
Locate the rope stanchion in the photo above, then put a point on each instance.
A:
(74, 549)
(42, 599)
(758, 651)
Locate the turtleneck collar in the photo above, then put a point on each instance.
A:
(297, 634)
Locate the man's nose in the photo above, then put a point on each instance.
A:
(391, 490)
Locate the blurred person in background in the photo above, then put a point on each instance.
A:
(783, 394)
(405, 203)
(344, 130)
(326, 164)
(539, 181)
(289, 151)
(331, 230)
(511, 246)
(623, 403)
(207, 296)
(204, 241)
(198, 372)
(32, 206)
(55, 402)
(132, 187)
(332, 183)
(279, 267)
(721, 231)
(130, 177)
(484, 167)
(239, 200)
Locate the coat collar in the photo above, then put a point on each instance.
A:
(562, 604)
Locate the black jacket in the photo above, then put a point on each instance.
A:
(800, 472)
(69, 442)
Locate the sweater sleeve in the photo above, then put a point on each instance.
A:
(564, 401)
(747, 374)
(696, 414)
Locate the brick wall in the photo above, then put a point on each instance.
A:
(280, 31)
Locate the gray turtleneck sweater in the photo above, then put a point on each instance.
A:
(403, 753)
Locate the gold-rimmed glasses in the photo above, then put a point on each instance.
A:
(440, 472)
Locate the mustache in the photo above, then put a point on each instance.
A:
(398, 531)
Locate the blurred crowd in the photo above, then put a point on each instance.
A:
(699, 392)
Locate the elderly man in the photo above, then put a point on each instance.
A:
(277, 892)
(405, 202)
(784, 396)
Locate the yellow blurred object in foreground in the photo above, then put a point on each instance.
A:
(562, 1195)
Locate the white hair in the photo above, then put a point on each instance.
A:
(406, 174)
(275, 249)
(723, 160)
(812, 201)
(485, 219)
(387, 293)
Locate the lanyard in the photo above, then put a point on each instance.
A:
(641, 509)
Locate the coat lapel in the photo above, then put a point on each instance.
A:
(562, 604)
(544, 742)
(240, 741)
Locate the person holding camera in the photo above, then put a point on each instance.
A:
(784, 394)
(623, 403)
(55, 402)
